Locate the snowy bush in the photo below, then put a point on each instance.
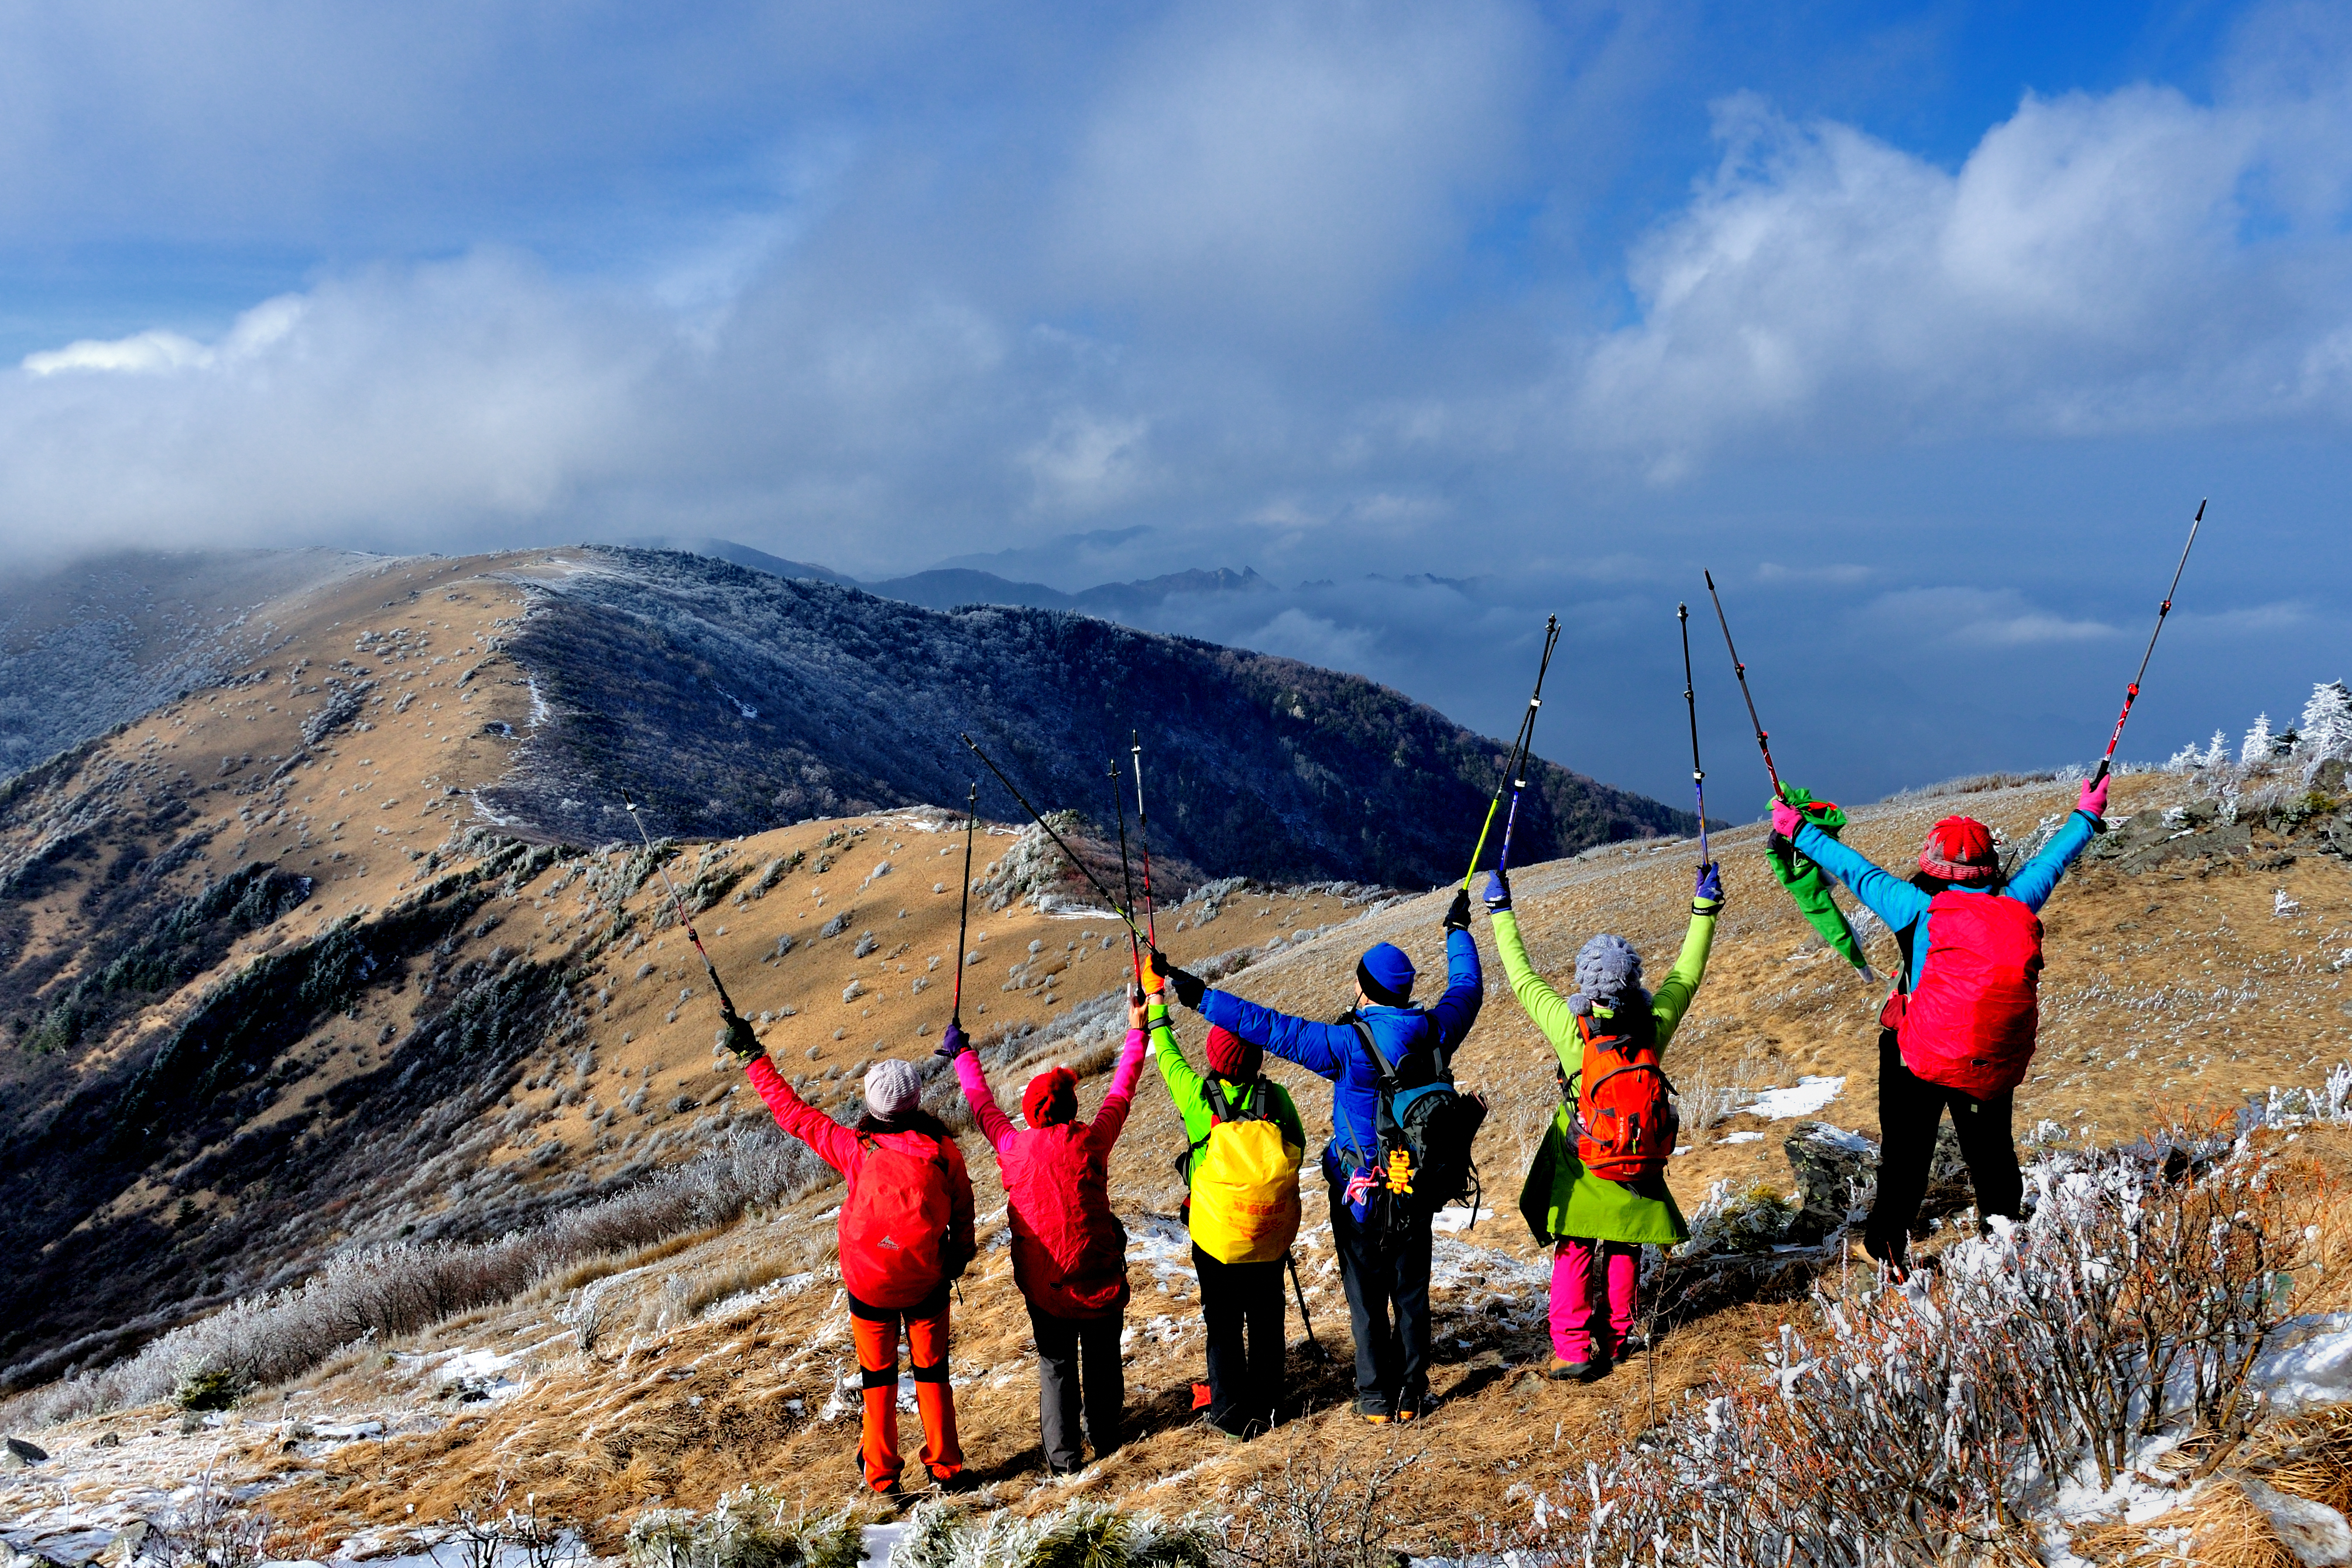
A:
(1938, 1419)
(2326, 733)
(751, 1527)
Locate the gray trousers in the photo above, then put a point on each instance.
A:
(1078, 1370)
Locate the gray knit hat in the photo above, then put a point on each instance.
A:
(893, 1088)
(1608, 971)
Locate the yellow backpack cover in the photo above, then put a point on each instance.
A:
(1244, 1204)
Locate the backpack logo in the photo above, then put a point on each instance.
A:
(1625, 1118)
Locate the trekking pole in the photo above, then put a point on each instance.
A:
(1690, 701)
(1066, 852)
(1143, 841)
(1304, 1316)
(1527, 751)
(1126, 874)
(2131, 691)
(1518, 748)
(726, 1002)
(963, 915)
(1763, 741)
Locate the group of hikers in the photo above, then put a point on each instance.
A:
(1956, 1034)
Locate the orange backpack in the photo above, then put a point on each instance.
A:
(1625, 1122)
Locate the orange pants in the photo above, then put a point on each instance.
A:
(876, 1331)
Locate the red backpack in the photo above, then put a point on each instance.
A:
(1625, 1125)
(893, 1227)
(1971, 1024)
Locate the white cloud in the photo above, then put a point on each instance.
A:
(2099, 265)
(1985, 618)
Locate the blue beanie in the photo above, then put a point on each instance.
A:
(1386, 975)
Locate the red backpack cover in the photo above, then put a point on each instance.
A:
(1625, 1125)
(894, 1226)
(1971, 1023)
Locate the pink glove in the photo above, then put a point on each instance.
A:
(2095, 798)
(1786, 819)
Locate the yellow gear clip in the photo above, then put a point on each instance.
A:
(1400, 1173)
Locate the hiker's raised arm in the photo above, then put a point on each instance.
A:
(1675, 993)
(835, 1144)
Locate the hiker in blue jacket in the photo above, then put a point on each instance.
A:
(1383, 1259)
(1960, 1030)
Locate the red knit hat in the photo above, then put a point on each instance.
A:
(1231, 1057)
(1052, 1097)
(1960, 849)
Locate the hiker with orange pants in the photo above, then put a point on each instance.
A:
(1597, 1192)
(906, 1230)
(1069, 1250)
(1958, 1032)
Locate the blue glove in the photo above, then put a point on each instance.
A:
(1706, 895)
(1498, 892)
(953, 1042)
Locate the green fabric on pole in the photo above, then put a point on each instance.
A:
(1808, 883)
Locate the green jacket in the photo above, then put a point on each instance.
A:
(1186, 1087)
(1571, 1200)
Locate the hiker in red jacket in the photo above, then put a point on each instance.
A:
(906, 1235)
(1069, 1250)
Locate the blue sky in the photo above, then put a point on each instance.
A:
(1926, 327)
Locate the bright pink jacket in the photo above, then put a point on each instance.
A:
(1069, 1250)
(844, 1148)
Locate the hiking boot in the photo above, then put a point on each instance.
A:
(1375, 1417)
(1592, 1369)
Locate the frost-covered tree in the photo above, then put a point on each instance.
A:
(2325, 732)
(2217, 753)
(2257, 746)
(2185, 761)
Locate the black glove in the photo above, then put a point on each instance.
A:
(740, 1039)
(1498, 892)
(1189, 988)
(1457, 914)
(953, 1042)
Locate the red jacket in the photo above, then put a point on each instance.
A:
(1069, 1250)
(844, 1148)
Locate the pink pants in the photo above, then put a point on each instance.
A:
(1572, 1306)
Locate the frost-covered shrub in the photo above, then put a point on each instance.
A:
(751, 1527)
(1935, 1420)
(1084, 1535)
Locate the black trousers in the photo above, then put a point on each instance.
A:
(1242, 1307)
(1078, 1367)
(1385, 1273)
(1910, 1108)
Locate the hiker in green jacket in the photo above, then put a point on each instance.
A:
(1242, 1205)
(1597, 1192)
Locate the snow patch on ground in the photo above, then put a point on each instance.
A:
(1809, 1097)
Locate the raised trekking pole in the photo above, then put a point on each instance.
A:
(1690, 701)
(2131, 691)
(1518, 748)
(726, 1002)
(963, 915)
(1527, 751)
(1143, 841)
(1763, 741)
(1068, 852)
(1126, 874)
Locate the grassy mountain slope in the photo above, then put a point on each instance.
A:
(719, 1356)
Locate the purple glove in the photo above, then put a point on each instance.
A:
(1786, 819)
(1706, 895)
(2094, 802)
(1498, 892)
(953, 1042)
